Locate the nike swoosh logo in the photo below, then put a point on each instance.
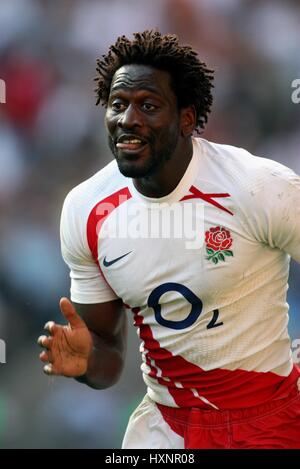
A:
(113, 261)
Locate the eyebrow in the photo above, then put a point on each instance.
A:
(140, 87)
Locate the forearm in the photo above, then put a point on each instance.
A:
(105, 364)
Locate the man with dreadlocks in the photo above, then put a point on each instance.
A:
(212, 320)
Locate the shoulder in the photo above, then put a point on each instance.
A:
(79, 204)
(83, 197)
(247, 172)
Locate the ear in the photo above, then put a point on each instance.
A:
(187, 121)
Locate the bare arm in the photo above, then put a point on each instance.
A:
(91, 348)
(108, 327)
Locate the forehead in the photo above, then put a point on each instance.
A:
(142, 77)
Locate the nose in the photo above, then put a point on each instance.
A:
(130, 118)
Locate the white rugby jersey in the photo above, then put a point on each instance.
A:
(212, 320)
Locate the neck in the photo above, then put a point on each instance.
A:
(167, 178)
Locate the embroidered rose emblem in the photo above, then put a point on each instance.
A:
(218, 241)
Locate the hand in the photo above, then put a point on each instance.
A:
(67, 347)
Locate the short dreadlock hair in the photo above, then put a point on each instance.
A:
(191, 79)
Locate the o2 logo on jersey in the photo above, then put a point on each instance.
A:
(196, 307)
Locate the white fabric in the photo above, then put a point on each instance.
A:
(248, 289)
(147, 429)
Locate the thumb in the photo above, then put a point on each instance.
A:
(70, 313)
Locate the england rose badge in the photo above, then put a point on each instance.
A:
(218, 243)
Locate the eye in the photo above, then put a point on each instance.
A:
(149, 107)
(118, 106)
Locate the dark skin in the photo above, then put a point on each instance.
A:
(91, 347)
(151, 140)
(142, 103)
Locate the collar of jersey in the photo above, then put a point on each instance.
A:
(183, 186)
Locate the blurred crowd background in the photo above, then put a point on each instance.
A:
(52, 137)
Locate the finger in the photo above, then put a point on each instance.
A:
(40, 340)
(50, 370)
(45, 341)
(50, 326)
(70, 313)
(46, 357)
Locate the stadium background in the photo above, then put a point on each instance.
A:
(52, 137)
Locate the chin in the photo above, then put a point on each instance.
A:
(138, 169)
(144, 166)
(132, 171)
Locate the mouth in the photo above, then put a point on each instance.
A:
(131, 144)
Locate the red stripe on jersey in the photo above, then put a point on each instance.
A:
(151, 344)
(197, 194)
(224, 389)
(99, 214)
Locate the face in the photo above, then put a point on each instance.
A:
(142, 120)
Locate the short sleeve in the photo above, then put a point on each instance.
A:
(277, 209)
(87, 282)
